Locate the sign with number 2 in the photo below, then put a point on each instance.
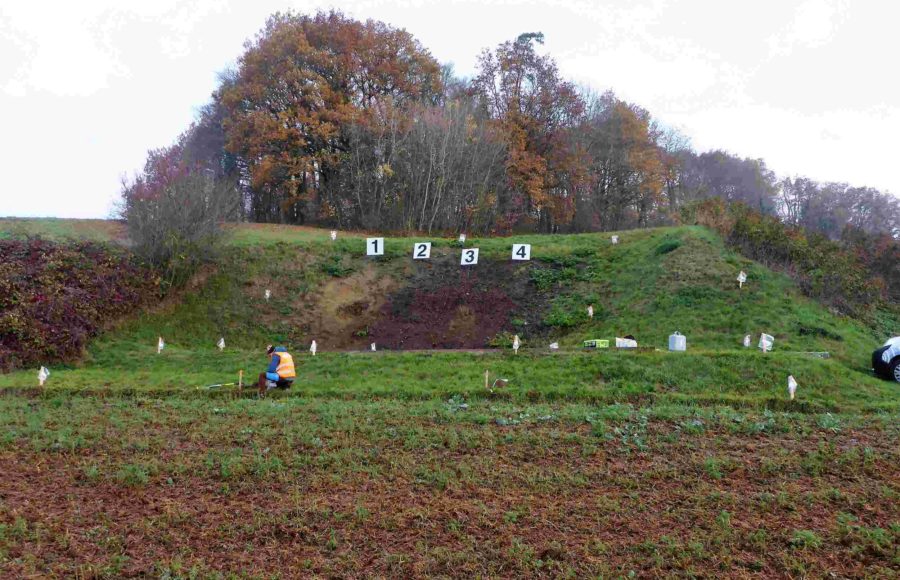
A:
(422, 251)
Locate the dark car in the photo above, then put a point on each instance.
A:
(886, 360)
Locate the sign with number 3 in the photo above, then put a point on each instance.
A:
(469, 257)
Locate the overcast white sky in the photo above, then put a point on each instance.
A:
(812, 86)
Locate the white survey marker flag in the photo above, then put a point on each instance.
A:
(312, 348)
(221, 343)
(792, 386)
(469, 257)
(160, 345)
(43, 375)
(374, 246)
(421, 250)
(521, 252)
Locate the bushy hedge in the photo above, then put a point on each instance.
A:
(822, 268)
(55, 296)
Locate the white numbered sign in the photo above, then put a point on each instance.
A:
(469, 257)
(374, 246)
(521, 252)
(422, 251)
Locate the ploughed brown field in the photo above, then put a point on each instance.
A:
(289, 488)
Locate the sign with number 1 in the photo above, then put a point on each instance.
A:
(469, 257)
(422, 251)
(374, 246)
(521, 252)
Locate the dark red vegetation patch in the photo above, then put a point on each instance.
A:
(444, 306)
(55, 296)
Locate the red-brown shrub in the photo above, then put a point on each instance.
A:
(55, 296)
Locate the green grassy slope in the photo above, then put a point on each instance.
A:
(653, 283)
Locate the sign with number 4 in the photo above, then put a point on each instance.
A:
(374, 246)
(521, 252)
(422, 251)
(469, 257)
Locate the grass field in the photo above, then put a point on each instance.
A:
(599, 464)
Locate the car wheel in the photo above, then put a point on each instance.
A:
(895, 369)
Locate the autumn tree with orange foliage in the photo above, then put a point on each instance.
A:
(300, 85)
(626, 165)
(535, 111)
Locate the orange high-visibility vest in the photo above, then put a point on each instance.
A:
(285, 368)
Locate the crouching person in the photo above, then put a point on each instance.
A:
(280, 373)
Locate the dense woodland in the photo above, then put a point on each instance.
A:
(329, 121)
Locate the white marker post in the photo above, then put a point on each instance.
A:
(160, 345)
(591, 311)
(516, 344)
(742, 277)
(615, 240)
(312, 348)
(521, 252)
(792, 386)
(268, 294)
(221, 344)
(43, 375)
(469, 257)
(333, 235)
(372, 347)
(462, 238)
(421, 250)
(374, 246)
